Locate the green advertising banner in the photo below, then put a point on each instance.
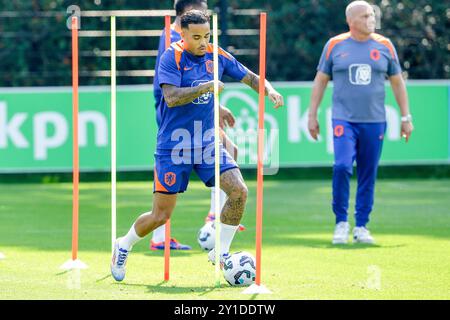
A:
(36, 128)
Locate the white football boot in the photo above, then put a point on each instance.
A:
(212, 257)
(118, 262)
(362, 235)
(341, 233)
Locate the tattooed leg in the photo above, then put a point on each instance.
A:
(233, 184)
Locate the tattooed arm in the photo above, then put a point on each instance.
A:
(176, 96)
(252, 80)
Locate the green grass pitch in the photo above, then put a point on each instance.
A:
(410, 222)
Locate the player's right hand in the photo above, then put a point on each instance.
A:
(313, 127)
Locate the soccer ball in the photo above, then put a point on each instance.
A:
(206, 236)
(240, 269)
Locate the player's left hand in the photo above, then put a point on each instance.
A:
(226, 118)
(276, 98)
(407, 129)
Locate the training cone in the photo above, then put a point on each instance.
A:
(257, 289)
(74, 264)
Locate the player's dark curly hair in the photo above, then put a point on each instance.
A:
(180, 6)
(194, 17)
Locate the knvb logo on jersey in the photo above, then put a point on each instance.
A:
(204, 98)
(375, 55)
(360, 74)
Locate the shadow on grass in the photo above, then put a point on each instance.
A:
(166, 288)
(45, 224)
(104, 278)
(201, 291)
(173, 253)
(326, 244)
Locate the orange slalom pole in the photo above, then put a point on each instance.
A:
(167, 234)
(75, 195)
(261, 111)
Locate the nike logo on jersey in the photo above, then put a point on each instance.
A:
(188, 68)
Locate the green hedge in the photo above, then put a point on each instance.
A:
(35, 49)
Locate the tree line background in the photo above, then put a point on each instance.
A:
(35, 45)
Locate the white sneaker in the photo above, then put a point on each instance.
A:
(362, 235)
(341, 233)
(212, 257)
(118, 262)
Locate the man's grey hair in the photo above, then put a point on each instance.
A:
(354, 4)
